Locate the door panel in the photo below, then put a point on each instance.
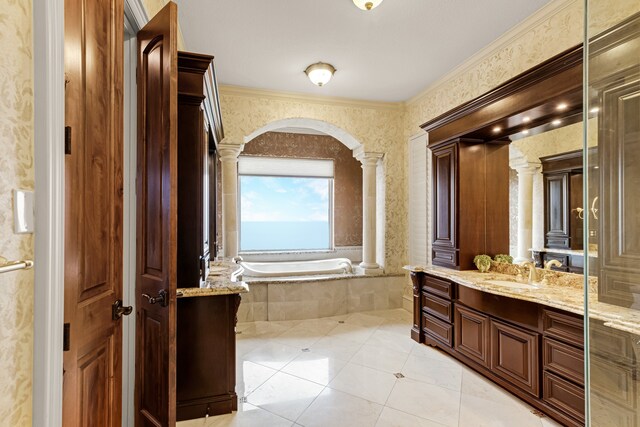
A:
(93, 211)
(157, 220)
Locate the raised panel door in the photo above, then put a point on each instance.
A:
(444, 199)
(514, 356)
(93, 265)
(472, 337)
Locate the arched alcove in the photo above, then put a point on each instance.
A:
(316, 125)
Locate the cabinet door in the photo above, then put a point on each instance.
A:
(514, 356)
(556, 218)
(444, 204)
(619, 148)
(472, 334)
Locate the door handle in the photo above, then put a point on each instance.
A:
(162, 298)
(118, 309)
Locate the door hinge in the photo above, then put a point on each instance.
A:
(66, 339)
(67, 140)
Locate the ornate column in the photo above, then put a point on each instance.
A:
(526, 170)
(229, 170)
(369, 166)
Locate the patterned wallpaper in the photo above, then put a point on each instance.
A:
(347, 192)
(16, 172)
(377, 126)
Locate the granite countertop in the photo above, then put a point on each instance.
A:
(222, 280)
(563, 290)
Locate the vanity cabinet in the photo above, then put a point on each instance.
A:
(534, 352)
(563, 200)
(471, 201)
(206, 356)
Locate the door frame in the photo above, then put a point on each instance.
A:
(48, 74)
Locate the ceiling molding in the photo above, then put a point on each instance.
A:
(518, 31)
(297, 97)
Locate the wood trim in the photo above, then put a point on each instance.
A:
(562, 62)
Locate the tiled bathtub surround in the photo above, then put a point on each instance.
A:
(308, 298)
(341, 372)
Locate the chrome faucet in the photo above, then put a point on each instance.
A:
(552, 263)
(533, 274)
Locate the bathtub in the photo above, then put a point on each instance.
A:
(296, 268)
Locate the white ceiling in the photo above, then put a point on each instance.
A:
(389, 54)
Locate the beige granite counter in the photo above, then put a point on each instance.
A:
(222, 280)
(564, 291)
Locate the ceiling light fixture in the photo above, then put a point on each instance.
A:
(367, 4)
(525, 132)
(320, 73)
(562, 106)
(594, 110)
(556, 122)
(526, 119)
(497, 129)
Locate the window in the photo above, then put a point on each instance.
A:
(285, 204)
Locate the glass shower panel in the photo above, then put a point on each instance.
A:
(612, 211)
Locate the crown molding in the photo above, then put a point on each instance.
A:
(312, 99)
(516, 32)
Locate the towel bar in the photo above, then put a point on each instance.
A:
(7, 266)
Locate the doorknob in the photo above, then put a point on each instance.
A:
(162, 298)
(118, 310)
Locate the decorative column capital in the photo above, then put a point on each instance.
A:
(229, 151)
(367, 158)
(524, 166)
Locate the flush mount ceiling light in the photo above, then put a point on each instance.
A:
(367, 4)
(320, 73)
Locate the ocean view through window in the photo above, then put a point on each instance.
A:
(285, 204)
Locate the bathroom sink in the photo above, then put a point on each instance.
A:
(515, 285)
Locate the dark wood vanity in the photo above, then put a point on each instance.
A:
(205, 371)
(534, 351)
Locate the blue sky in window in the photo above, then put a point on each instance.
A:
(278, 199)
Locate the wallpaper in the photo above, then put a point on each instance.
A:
(347, 188)
(16, 172)
(377, 127)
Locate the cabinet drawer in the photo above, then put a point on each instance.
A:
(445, 257)
(472, 334)
(614, 381)
(563, 327)
(437, 329)
(514, 356)
(563, 359)
(564, 395)
(438, 287)
(437, 307)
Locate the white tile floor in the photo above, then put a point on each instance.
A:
(339, 371)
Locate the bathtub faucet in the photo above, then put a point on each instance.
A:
(348, 268)
(237, 259)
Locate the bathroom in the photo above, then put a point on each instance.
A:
(285, 221)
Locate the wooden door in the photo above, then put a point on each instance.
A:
(157, 220)
(93, 212)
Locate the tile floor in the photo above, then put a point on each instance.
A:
(342, 371)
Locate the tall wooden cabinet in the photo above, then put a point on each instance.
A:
(470, 201)
(205, 369)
